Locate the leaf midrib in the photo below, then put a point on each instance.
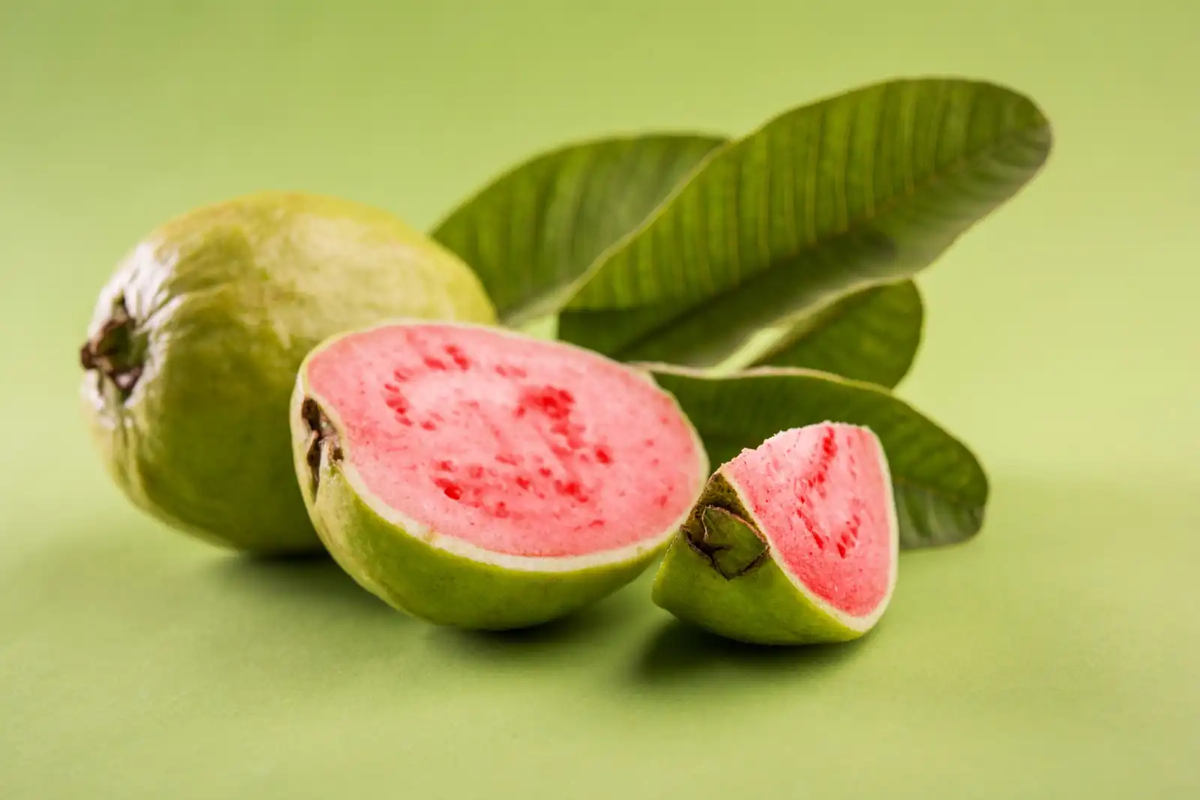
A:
(855, 228)
(852, 227)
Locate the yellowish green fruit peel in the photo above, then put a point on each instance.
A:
(192, 351)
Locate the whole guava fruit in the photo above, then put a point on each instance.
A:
(195, 341)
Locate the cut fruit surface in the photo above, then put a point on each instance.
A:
(821, 497)
(539, 450)
(795, 541)
(492, 447)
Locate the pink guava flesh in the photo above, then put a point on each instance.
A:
(822, 496)
(512, 444)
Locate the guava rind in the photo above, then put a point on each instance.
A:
(759, 605)
(423, 580)
(225, 302)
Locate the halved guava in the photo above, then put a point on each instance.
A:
(486, 479)
(793, 542)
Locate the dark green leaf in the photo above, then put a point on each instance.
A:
(852, 191)
(535, 229)
(872, 335)
(940, 488)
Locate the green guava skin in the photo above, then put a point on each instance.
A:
(428, 582)
(443, 588)
(217, 308)
(759, 605)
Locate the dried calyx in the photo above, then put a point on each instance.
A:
(117, 350)
(727, 540)
(321, 434)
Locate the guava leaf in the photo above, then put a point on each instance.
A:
(852, 191)
(871, 335)
(533, 231)
(940, 488)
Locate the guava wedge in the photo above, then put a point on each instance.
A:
(192, 351)
(794, 542)
(481, 478)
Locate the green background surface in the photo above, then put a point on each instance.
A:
(1057, 655)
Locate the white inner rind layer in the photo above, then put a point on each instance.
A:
(406, 525)
(855, 623)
